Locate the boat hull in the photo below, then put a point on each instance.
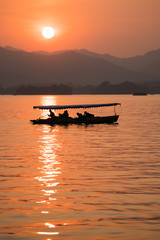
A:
(66, 121)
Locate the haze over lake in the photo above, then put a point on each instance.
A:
(93, 182)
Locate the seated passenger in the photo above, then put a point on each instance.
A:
(51, 114)
(79, 115)
(65, 114)
(86, 114)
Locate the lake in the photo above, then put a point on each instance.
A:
(95, 182)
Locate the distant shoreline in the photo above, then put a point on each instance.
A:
(103, 88)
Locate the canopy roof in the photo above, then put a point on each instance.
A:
(76, 106)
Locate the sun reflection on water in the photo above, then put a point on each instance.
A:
(49, 171)
(48, 233)
(51, 167)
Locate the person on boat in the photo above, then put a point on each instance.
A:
(51, 114)
(65, 114)
(79, 115)
(86, 114)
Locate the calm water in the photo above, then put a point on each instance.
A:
(96, 182)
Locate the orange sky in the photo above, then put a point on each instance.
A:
(118, 27)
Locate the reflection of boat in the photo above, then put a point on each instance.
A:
(86, 119)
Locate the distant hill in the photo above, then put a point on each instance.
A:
(152, 68)
(148, 63)
(12, 48)
(78, 67)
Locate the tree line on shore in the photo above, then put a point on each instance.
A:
(103, 88)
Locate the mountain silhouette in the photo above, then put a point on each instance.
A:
(77, 67)
(147, 63)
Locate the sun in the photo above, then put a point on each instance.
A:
(48, 32)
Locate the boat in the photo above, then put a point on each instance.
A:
(85, 118)
(140, 94)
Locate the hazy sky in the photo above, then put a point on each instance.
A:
(119, 27)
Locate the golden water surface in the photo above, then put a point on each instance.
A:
(95, 182)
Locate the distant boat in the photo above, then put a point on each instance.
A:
(85, 118)
(140, 94)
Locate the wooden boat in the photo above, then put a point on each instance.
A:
(140, 94)
(81, 119)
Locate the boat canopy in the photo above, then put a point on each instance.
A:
(58, 107)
